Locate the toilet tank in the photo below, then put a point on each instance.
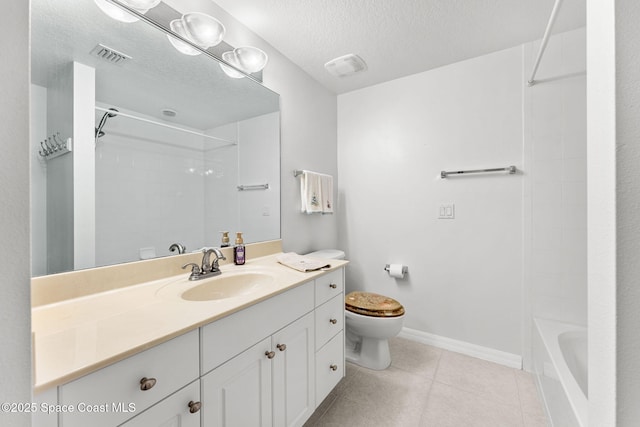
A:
(328, 254)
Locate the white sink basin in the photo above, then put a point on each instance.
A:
(227, 285)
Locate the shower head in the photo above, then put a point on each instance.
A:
(103, 121)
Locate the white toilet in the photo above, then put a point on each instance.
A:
(371, 319)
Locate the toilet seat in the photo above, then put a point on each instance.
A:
(374, 305)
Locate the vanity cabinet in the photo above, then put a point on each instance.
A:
(271, 383)
(329, 331)
(269, 364)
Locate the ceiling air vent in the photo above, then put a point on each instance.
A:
(110, 55)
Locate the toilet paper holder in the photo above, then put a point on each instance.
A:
(405, 269)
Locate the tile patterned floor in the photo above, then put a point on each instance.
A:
(429, 387)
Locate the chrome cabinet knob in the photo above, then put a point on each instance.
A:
(147, 383)
(333, 286)
(333, 367)
(270, 354)
(333, 321)
(281, 347)
(194, 407)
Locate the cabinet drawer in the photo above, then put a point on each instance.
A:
(103, 397)
(329, 320)
(175, 410)
(329, 285)
(224, 338)
(329, 367)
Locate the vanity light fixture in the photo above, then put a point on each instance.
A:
(346, 65)
(246, 58)
(119, 14)
(203, 29)
(231, 58)
(200, 29)
(177, 26)
(251, 59)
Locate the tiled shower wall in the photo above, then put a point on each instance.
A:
(555, 187)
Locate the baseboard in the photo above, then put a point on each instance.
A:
(474, 350)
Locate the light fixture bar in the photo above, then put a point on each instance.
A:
(165, 30)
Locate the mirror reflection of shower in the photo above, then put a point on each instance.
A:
(103, 121)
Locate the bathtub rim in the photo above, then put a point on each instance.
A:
(549, 331)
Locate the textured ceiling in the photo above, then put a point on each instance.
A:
(396, 37)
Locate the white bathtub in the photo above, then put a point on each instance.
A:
(560, 365)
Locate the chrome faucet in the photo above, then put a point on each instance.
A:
(205, 260)
(207, 269)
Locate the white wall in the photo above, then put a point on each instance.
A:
(613, 94)
(308, 137)
(15, 318)
(38, 127)
(465, 274)
(555, 187)
(59, 205)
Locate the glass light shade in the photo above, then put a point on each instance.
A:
(177, 26)
(203, 29)
(251, 59)
(232, 59)
(116, 12)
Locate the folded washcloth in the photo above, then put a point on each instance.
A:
(326, 184)
(302, 263)
(311, 192)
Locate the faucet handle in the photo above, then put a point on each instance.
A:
(219, 256)
(195, 269)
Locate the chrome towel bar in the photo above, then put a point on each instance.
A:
(253, 187)
(510, 169)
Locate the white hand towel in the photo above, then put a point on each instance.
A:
(326, 182)
(302, 263)
(310, 192)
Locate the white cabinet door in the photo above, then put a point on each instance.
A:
(181, 409)
(238, 393)
(293, 373)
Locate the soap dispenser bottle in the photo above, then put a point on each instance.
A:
(225, 239)
(238, 250)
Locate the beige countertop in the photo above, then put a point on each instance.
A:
(77, 336)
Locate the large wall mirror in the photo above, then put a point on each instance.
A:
(189, 153)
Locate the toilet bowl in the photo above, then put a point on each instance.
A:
(370, 320)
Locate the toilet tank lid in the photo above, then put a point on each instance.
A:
(327, 254)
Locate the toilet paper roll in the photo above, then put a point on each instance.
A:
(397, 271)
